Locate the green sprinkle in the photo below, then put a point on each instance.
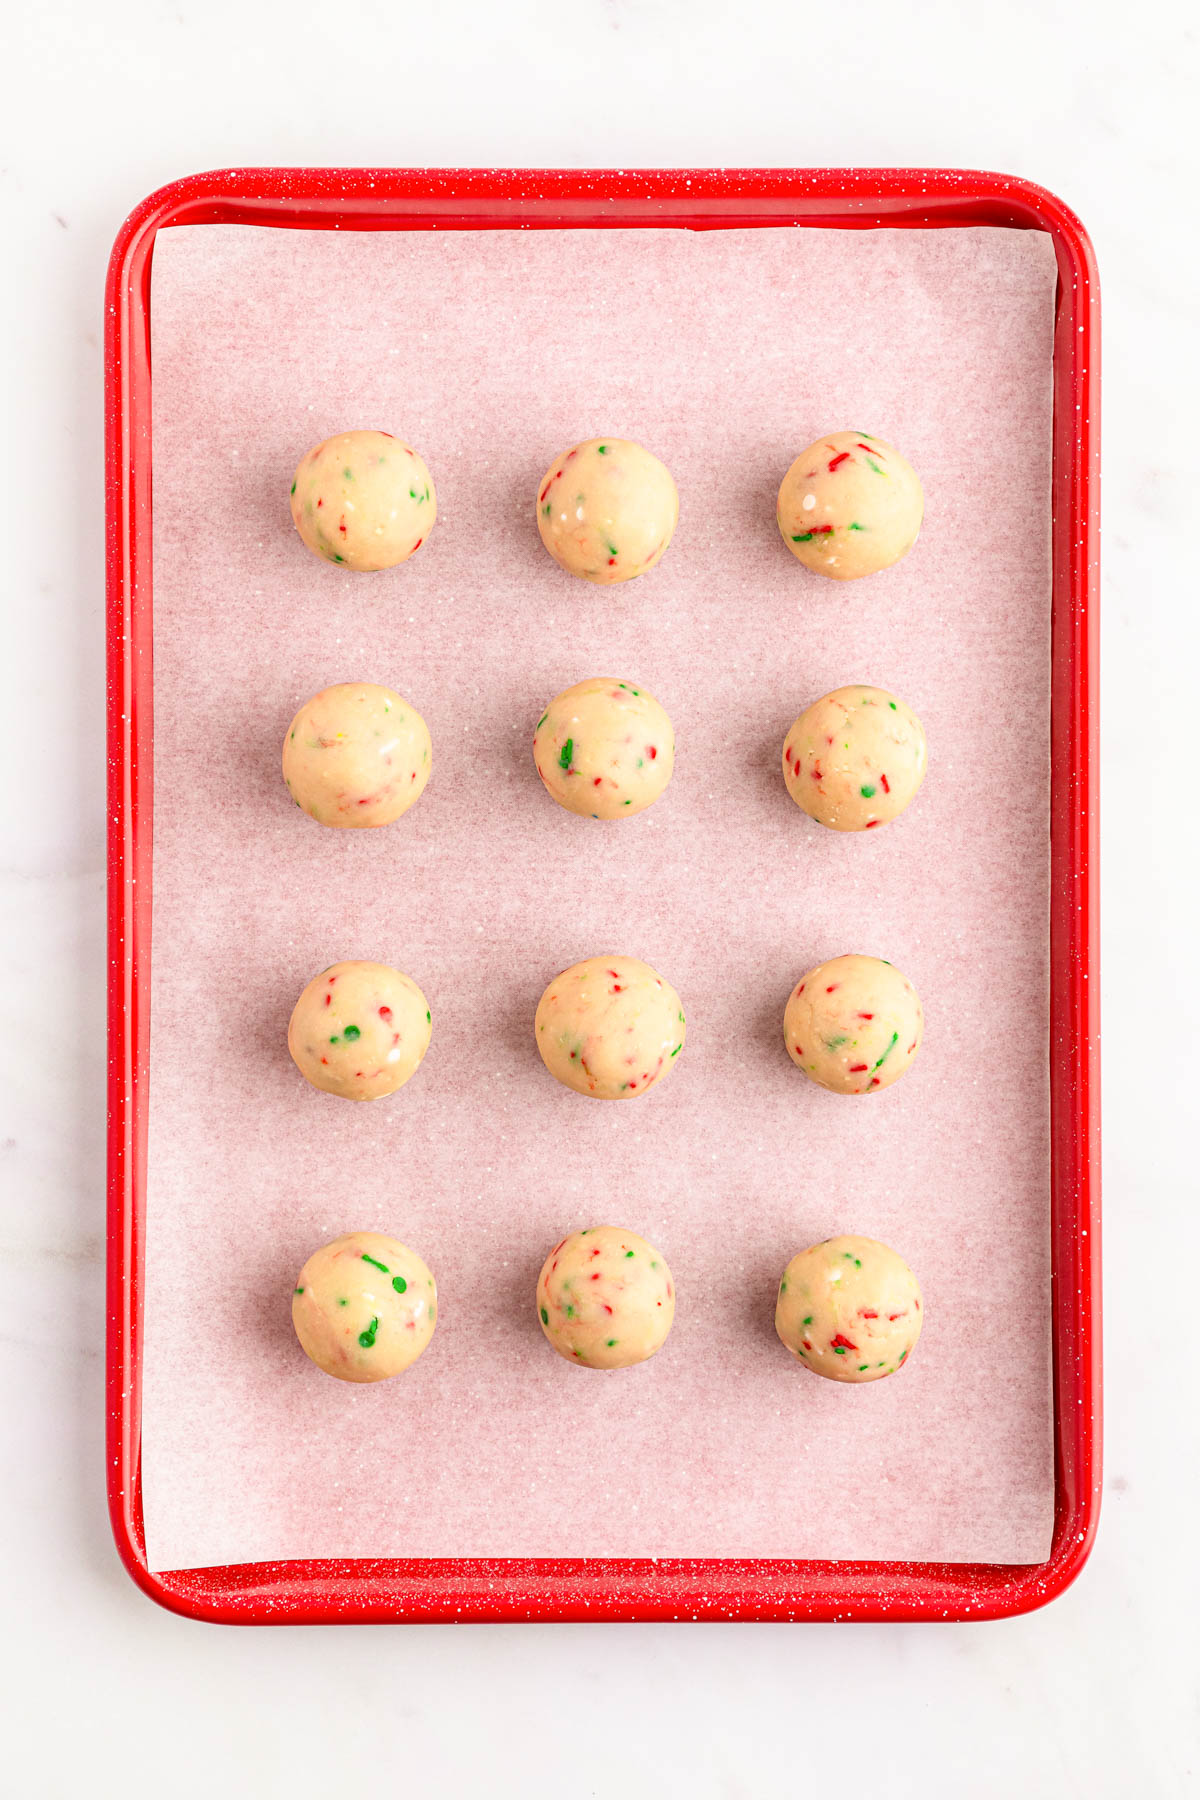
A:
(892, 704)
(905, 1353)
(541, 721)
(838, 1349)
(627, 803)
(835, 1043)
(855, 526)
(293, 737)
(343, 1303)
(610, 1343)
(399, 1283)
(879, 1364)
(863, 1366)
(602, 449)
(677, 1049)
(802, 537)
(367, 1338)
(293, 490)
(612, 550)
(298, 1290)
(545, 1315)
(338, 558)
(871, 463)
(428, 1016)
(376, 1265)
(570, 1312)
(641, 762)
(783, 1285)
(807, 1321)
(867, 792)
(348, 474)
(890, 1048)
(546, 509)
(332, 1040)
(654, 1265)
(629, 1253)
(412, 493)
(564, 755)
(352, 1034)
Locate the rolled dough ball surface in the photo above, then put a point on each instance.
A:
(605, 1298)
(850, 505)
(855, 758)
(363, 499)
(853, 1024)
(606, 509)
(364, 1307)
(610, 1027)
(849, 1309)
(356, 755)
(359, 1029)
(604, 748)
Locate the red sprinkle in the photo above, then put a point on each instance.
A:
(870, 823)
(869, 451)
(830, 989)
(544, 491)
(320, 503)
(652, 751)
(859, 1068)
(844, 457)
(892, 1317)
(598, 779)
(417, 545)
(385, 1012)
(866, 1015)
(865, 1312)
(884, 780)
(840, 1342)
(799, 990)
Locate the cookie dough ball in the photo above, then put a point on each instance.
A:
(359, 1029)
(605, 1298)
(356, 755)
(854, 759)
(850, 505)
(849, 1309)
(364, 1307)
(606, 510)
(610, 1027)
(853, 1024)
(364, 499)
(604, 748)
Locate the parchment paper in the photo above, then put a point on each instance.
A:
(726, 353)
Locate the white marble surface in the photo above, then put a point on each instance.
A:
(1096, 1696)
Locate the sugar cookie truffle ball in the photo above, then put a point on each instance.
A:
(610, 1027)
(850, 505)
(356, 755)
(364, 499)
(849, 1309)
(604, 748)
(605, 1298)
(853, 1024)
(855, 758)
(364, 1307)
(606, 510)
(359, 1029)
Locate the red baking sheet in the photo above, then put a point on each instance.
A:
(582, 1588)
